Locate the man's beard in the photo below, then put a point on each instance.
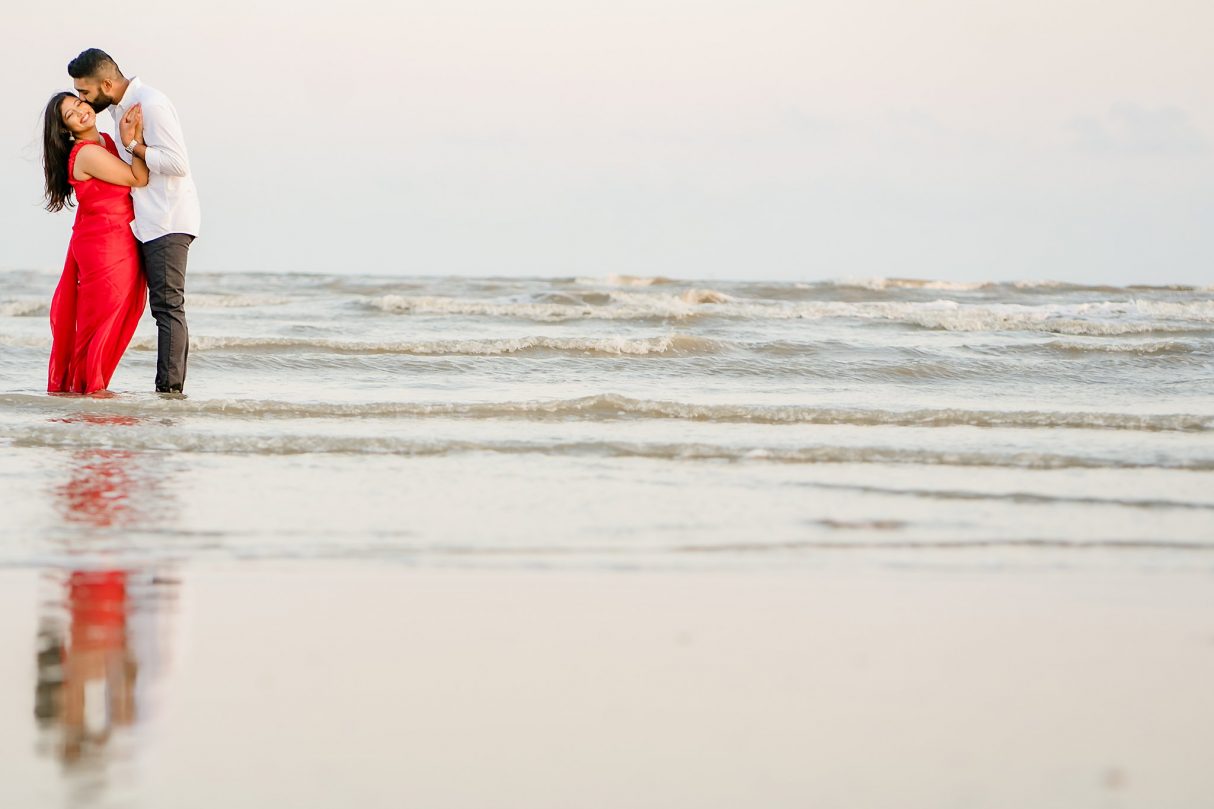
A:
(101, 103)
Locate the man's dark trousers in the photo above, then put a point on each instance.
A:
(164, 262)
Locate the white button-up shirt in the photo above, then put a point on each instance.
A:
(169, 202)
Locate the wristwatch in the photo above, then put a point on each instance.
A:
(130, 147)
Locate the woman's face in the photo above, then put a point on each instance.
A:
(77, 115)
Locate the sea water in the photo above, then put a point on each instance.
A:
(624, 421)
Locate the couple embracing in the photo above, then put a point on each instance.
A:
(137, 215)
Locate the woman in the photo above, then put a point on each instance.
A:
(102, 291)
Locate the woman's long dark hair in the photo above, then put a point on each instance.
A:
(56, 148)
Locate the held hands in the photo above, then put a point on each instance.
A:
(131, 126)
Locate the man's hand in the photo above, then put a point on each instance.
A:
(131, 126)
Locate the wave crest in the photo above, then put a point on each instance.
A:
(616, 306)
(620, 280)
(610, 406)
(1099, 318)
(24, 308)
(211, 300)
(171, 440)
(636, 346)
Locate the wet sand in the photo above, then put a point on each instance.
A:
(320, 685)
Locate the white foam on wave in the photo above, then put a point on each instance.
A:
(24, 307)
(1096, 318)
(1201, 311)
(1150, 348)
(1134, 316)
(166, 439)
(434, 305)
(209, 300)
(609, 407)
(621, 306)
(636, 346)
(620, 280)
(1105, 318)
(882, 283)
(25, 341)
(1041, 284)
(695, 296)
(194, 300)
(910, 283)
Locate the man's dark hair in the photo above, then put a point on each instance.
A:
(92, 63)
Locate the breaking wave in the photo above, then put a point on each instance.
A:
(1151, 348)
(636, 346)
(1099, 318)
(909, 283)
(608, 407)
(207, 300)
(626, 281)
(152, 439)
(618, 306)
(24, 308)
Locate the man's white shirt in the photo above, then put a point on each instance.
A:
(169, 202)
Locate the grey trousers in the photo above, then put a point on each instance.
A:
(164, 262)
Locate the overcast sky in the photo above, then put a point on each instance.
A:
(958, 139)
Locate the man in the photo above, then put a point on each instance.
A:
(166, 210)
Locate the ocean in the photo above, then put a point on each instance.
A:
(618, 541)
(626, 421)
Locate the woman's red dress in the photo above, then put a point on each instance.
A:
(102, 292)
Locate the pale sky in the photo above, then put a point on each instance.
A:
(958, 139)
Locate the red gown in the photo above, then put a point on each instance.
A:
(102, 291)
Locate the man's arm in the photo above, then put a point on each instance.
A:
(167, 155)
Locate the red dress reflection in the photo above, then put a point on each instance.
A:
(99, 670)
(87, 673)
(98, 491)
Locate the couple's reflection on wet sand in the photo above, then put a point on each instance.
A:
(86, 669)
(103, 636)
